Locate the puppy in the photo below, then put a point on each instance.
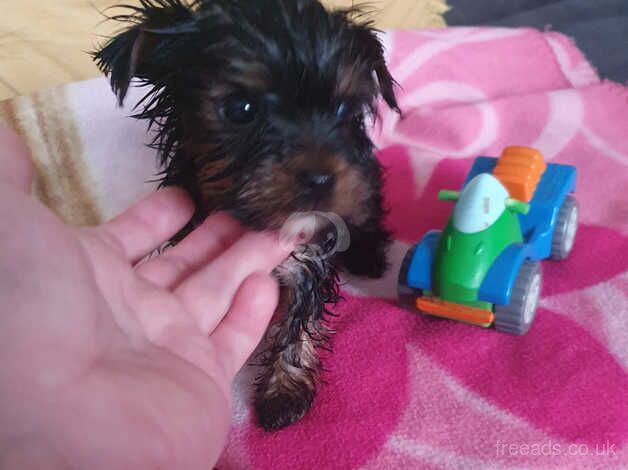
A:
(260, 108)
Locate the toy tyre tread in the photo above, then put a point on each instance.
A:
(517, 317)
(407, 295)
(565, 229)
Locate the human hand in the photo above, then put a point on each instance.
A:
(108, 364)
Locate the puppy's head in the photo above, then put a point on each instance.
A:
(259, 105)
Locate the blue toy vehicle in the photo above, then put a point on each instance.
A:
(483, 268)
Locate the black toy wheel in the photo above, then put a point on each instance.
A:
(407, 295)
(517, 317)
(565, 230)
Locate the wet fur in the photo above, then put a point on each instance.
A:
(315, 77)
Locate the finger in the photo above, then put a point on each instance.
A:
(208, 293)
(17, 166)
(149, 223)
(217, 233)
(241, 330)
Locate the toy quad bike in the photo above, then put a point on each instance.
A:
(483, 268)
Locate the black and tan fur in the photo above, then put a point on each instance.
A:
(260, 108)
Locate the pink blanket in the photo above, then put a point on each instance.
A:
(404, 391)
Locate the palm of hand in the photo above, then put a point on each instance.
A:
(134, 363)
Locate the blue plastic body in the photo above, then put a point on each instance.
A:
(537, 227)
(420, 270)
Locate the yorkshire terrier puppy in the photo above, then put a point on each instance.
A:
(260, 109)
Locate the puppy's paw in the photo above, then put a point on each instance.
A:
(279, 411)
(371, 264)
(367, 255)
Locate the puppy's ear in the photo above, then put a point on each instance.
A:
(370, 47)
(386, 82)
(147, 48)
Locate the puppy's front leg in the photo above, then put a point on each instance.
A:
(286, 387)
(370, 240)
(367, 255)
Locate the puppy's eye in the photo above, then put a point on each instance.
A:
(239, 108)
(348, 109)
(342, 110)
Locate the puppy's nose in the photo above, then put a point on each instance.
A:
(317, 183)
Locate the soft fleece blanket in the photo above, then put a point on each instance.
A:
(405, 391)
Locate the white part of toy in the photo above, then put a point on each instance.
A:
(482, 201)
